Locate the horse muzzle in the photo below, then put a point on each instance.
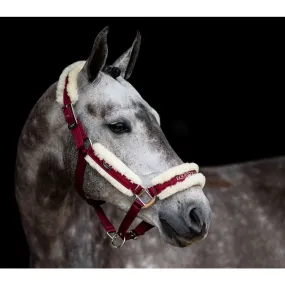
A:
(189, 223)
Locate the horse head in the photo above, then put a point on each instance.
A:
(128, 135)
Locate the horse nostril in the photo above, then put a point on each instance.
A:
(196, 221)
(194, 216)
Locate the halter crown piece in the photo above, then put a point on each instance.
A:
(173, 180)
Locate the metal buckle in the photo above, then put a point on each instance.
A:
(113, 238)
(145, 204)
(72, 125)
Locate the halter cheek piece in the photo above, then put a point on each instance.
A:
(121, 177)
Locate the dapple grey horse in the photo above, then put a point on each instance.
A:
(61, 228)
(247, 199)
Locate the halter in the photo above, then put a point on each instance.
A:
(175, 179)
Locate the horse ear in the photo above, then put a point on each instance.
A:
(98, 56)
(126, 62)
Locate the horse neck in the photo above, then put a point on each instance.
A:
(61, 228)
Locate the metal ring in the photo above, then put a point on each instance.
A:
(151, 201)
(114, 238)
(110, 235)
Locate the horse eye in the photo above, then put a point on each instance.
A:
(118, 128)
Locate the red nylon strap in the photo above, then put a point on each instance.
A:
(140, 230)
(174, 180)
(82, 131)
(129, 218)
(71, 120)
(109, 228)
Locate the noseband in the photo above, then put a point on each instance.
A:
(173, 180)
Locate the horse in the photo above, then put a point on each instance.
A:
(90, 143)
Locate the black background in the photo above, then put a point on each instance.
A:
(217, 84)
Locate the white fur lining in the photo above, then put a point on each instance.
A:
(104, 154)
(108, 177)
(72, 72)
(176, 170)
(196, 179)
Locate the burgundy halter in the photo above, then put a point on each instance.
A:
(144, 197)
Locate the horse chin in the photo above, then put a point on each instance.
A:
(177, 241)
(170, 236)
